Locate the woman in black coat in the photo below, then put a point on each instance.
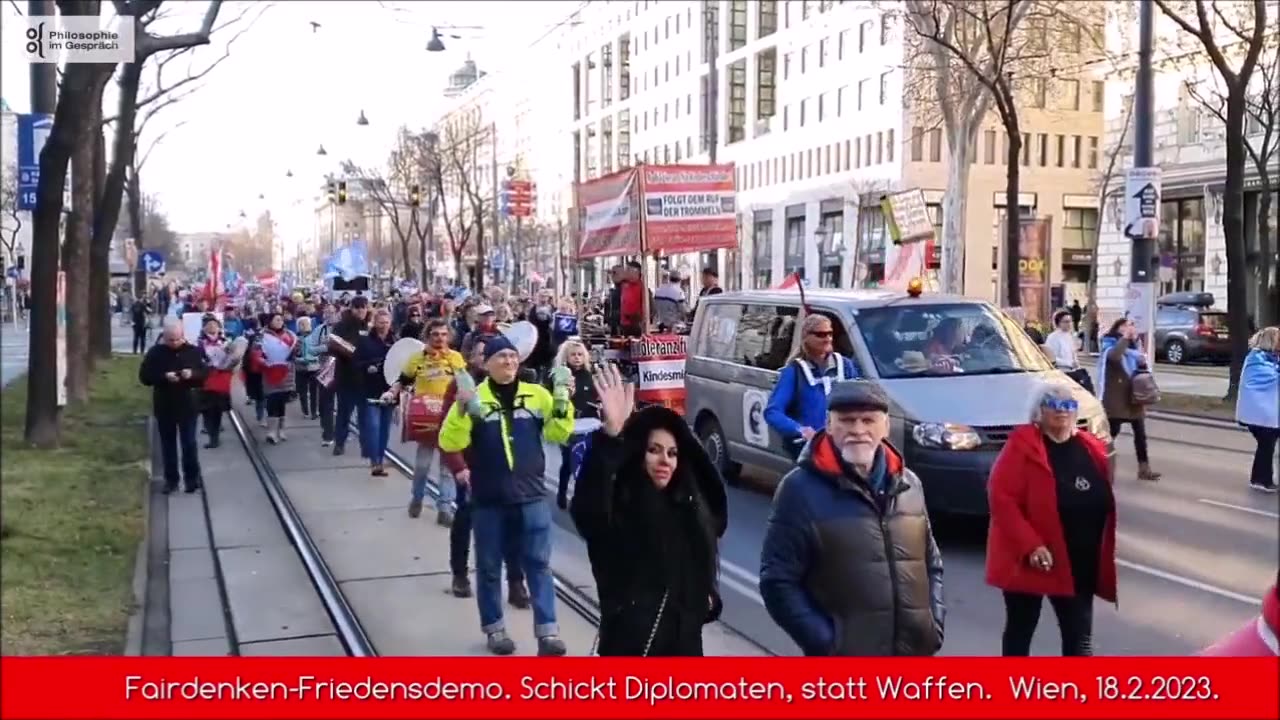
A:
(651, 507)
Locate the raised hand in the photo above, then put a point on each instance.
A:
(617, 398)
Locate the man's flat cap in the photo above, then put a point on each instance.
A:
(857, 395)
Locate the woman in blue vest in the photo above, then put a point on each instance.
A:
(1258, 404)
(797, 408)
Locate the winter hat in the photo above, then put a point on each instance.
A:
(497, 344)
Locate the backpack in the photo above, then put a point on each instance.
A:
(1143, 389)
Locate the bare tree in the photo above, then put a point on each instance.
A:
(1260, 106)
(417, 157)
(942, 91)
(10, 217)
(390, 191)
(458, 149)
(1233, 41)
(1104, 198)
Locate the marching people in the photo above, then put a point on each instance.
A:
(1053, 525)
(141, 315)
(215, 394)
(326, 376)
(849, 565)
(1258, 405)
(484, 325)
(1119, 360)
(175, 369)
(412, 326)
(505, 428)
(429, 375)
(586, 411)
(251, 375)
(275, 353)
(651, 507)
(379, 405)
(460, 528)
(308, 365)
(348, 384)
(1061, 349)
(797, 407)
(670, 306)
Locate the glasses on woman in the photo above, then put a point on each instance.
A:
(1060, 405)
(824, 334)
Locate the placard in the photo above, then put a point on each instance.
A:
(659, 361)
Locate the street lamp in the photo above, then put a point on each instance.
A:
(288, 173)
(362, 120)
(322, 151)
(435, 44)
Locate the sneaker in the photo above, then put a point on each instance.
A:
(499, 643)
(262, 424)
(281, 436)
(338, 449)
(444, 518)
(326, 443)
(551, 646)
(518, 596)
(461, 586)
(192, 487)
(562, 502)
(1262, 488)
(378, 471)
(271, 438)
(415, 508)
(169, 488)
(211, 445)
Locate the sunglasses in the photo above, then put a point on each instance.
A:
(824, 334)
(1060, 405)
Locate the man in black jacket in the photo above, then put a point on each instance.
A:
(141, 313)
(174, 370)
(348, 382)
(849, 565)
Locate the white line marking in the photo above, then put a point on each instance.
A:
(1188, 582)
(1241, 508)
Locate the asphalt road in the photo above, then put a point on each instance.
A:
(1187, 380)
(1196, 551)
(14, 349)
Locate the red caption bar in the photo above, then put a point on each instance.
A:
(528, 688)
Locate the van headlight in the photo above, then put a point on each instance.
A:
(1100, 428)
(945, 436)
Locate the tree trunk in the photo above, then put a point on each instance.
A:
(955, 203)
(1012, 213)
(1268, 313)
(122, 150)
(133, 193)
(80, 307)
(1234, 234)
(43, 413)
(99, 255)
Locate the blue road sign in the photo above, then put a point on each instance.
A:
(33, 131)
(151, 261)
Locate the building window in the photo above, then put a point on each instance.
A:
(935, 145)
(1093, 152)
(804, 104)
(862, 92)
(1080, 228)
(766, 83)
(879, 147)
(738, 101)
(840, 101)
(1061, 155)
(795, 243)
(822, 52)
(1026, 150)
(1181, 244)
(917, 144)
(864, 32)
(1071, 94)
(1076, 149)
(737, 24)
(886, 28)
(1099, 95)
(822, 107)
(842, 44)
(989, 147)
(766, 17)
(884, 88)
(889, 145)
(762, 257)
(1042, 148)
(1039, 89)
(711, 28)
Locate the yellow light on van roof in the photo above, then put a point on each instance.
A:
(915, 287)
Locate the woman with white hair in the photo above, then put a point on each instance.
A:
(1053, 524)
(1258, 404)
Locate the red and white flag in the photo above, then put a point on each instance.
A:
(213, 287)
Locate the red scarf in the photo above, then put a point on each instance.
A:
(276, 374)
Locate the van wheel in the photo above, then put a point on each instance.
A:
(717, 447)
(1175, 352)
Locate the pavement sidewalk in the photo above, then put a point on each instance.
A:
(237, 585)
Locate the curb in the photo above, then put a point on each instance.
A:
(141, 569)
(1197, 420)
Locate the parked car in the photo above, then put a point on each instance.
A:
(949, 421)
(1188, 329)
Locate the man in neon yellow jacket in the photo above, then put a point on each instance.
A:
(503, 425)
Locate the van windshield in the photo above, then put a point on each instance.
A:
(950, 339)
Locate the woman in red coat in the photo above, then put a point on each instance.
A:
(1053, 525)
(1258, 637)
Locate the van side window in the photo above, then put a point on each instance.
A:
(764, 336)
(719, 332)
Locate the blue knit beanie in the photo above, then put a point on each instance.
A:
(495, 345)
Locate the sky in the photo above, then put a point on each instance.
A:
(286, 88)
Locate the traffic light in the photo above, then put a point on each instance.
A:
(333, 193)
(342, 191)
(415, 196)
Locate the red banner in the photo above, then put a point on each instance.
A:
(689, 208)
(609, 221)
(529, 688)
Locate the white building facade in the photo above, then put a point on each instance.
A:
(1190, 149)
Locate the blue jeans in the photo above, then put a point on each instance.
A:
(427, 465)
(349, 399)
(494, 526)
(260, 409)
(375, 432)
(460, 543)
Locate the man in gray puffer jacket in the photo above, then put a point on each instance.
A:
(849, 564)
